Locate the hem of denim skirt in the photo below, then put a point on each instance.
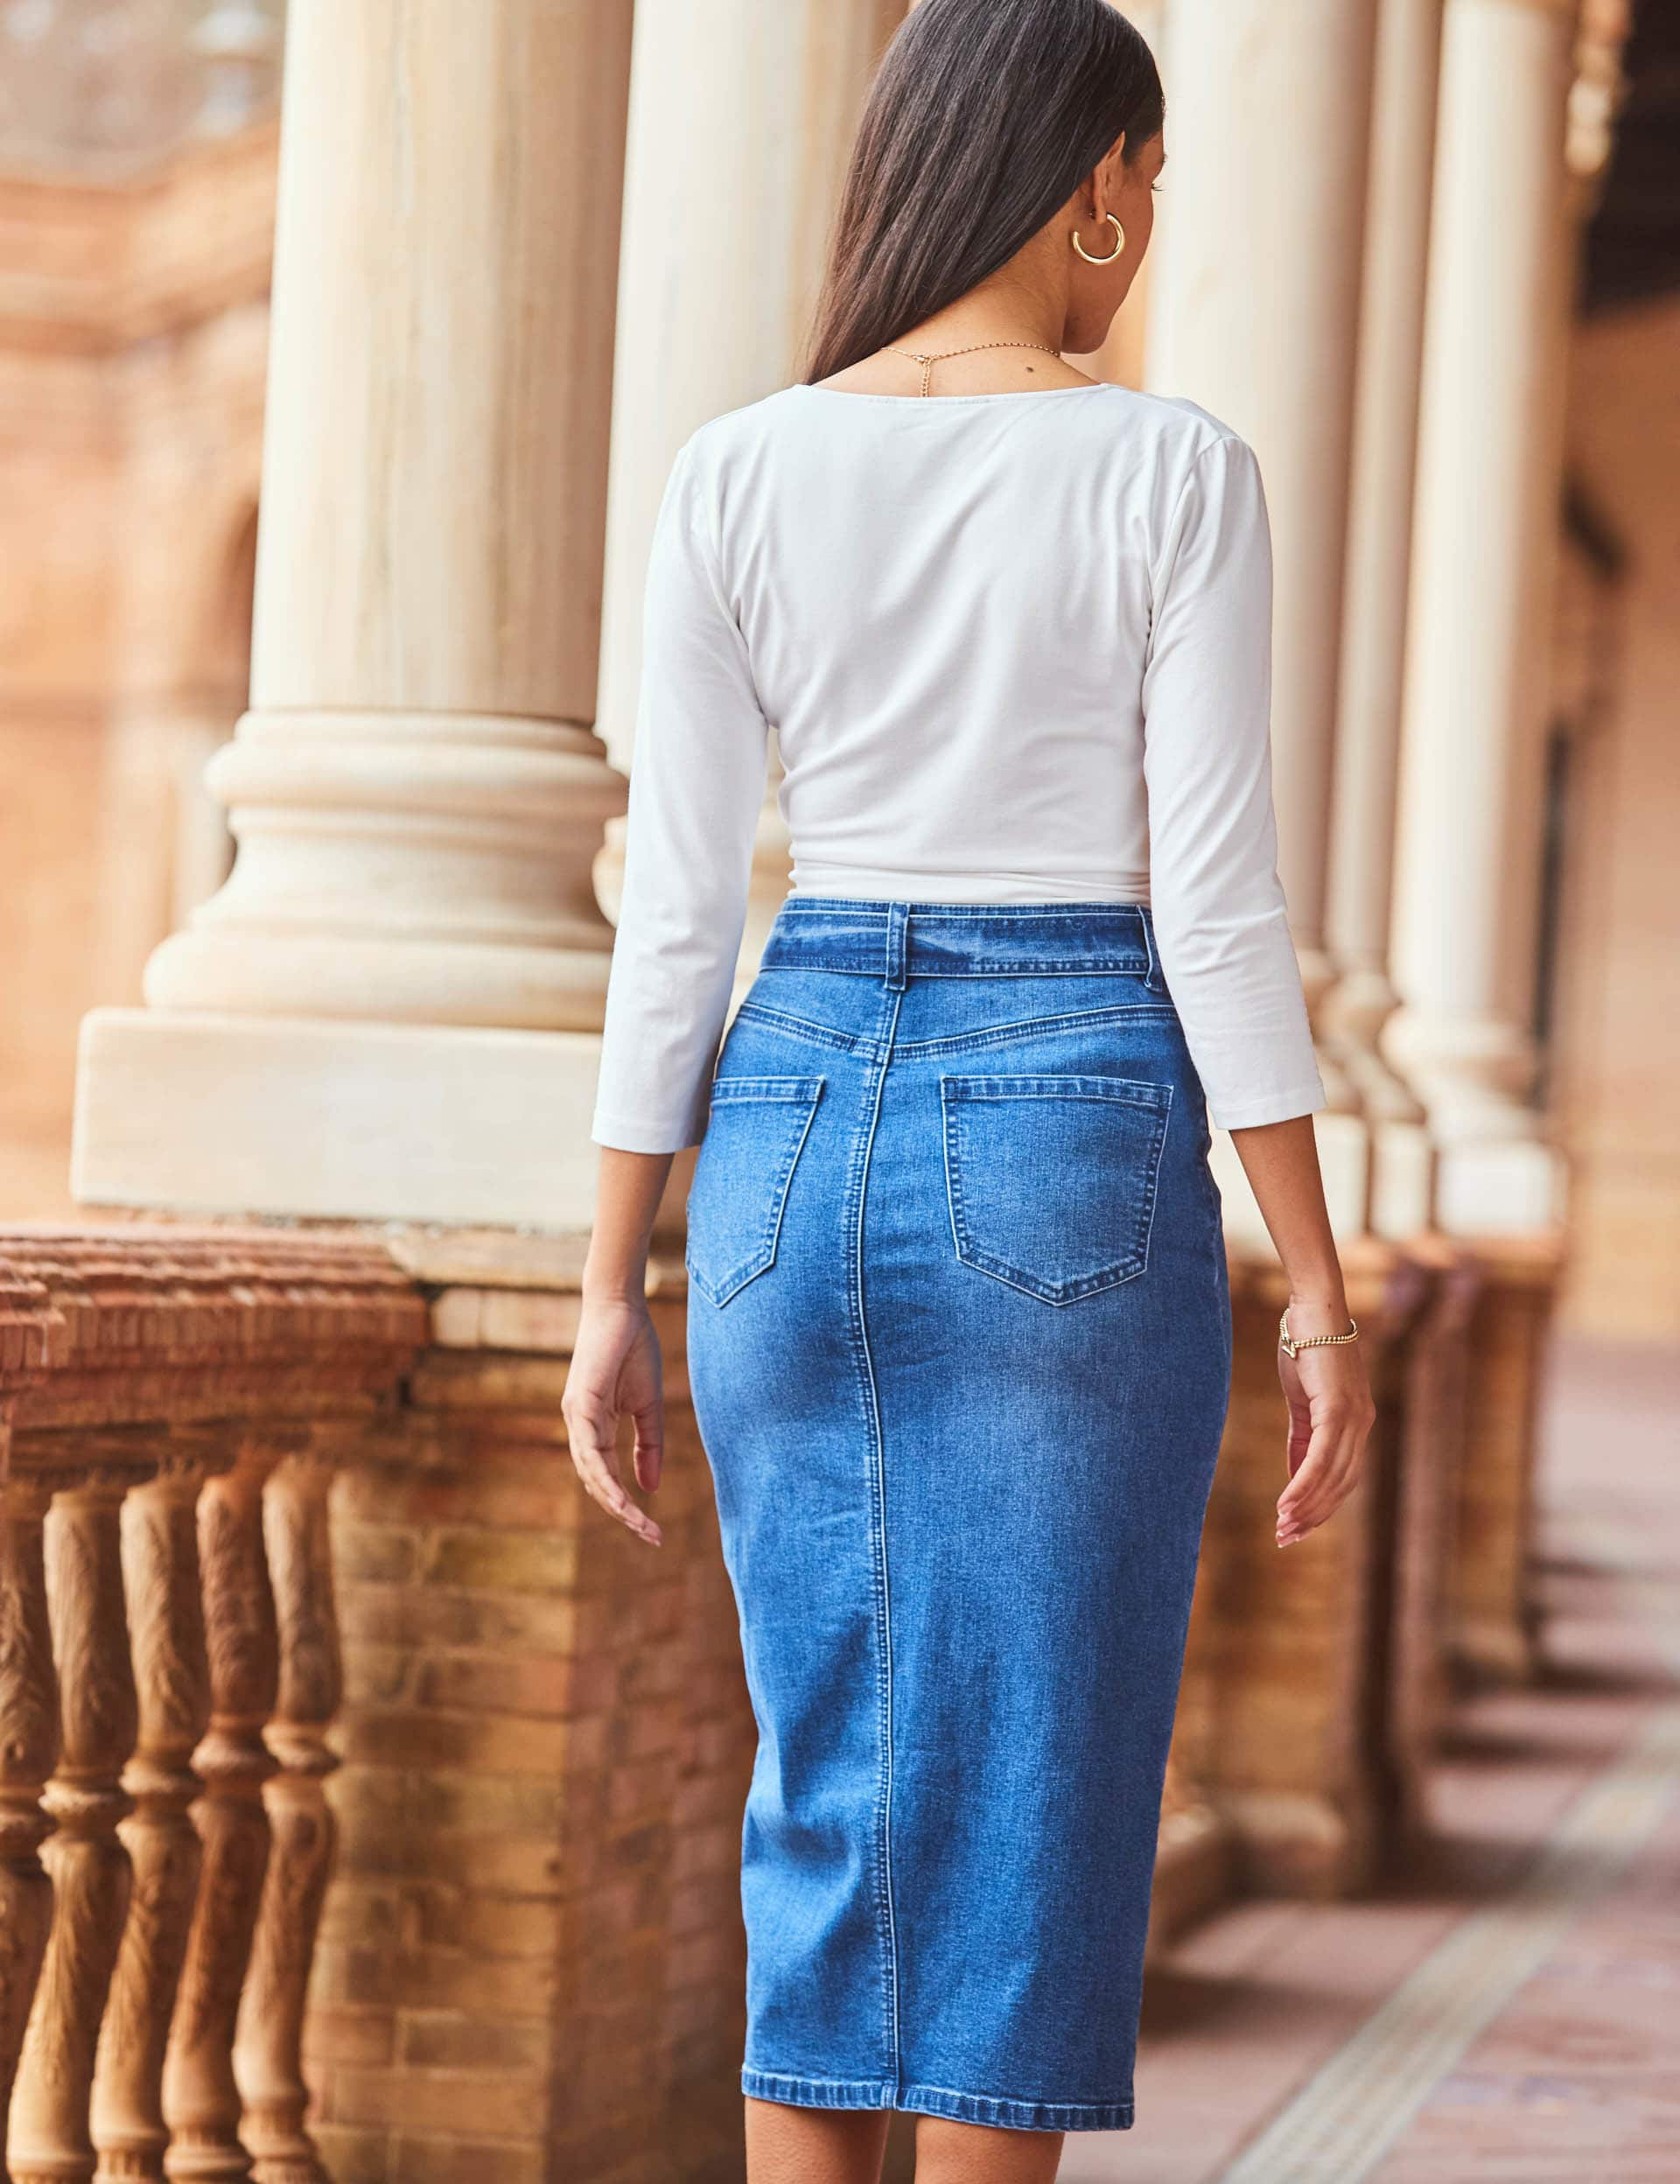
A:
(937, 2100)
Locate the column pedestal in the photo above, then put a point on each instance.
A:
(1404, 1178)
(1511, 1189)
(231, 1114)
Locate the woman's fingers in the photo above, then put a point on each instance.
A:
(592, 1431)
(1332, 1480)
(1328, 1472)
(1300, 1504)
(1323, 1480)
(649, 1458)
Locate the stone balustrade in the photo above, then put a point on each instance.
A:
(1280, 1723)
(370, 1805)
(1317, 1681)
(1492, 1628)
(173, 1404)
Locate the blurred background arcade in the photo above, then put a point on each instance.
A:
(371, 1814)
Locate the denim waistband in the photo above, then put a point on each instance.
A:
(897, 940)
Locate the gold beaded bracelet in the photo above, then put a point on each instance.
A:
(1292, 1348)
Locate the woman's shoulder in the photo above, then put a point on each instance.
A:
(1172, 424)
(734, 432)
(1178, 455)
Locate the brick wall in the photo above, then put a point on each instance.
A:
(532, 1962)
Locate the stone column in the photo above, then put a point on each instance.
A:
(1489, 464)
(755, 109)
(1373, 621)
(416, 793)
(1254, 314)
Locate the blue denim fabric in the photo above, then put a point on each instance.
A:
(959, 1343)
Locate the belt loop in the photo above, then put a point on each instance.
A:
(898, 921)
(1153, 982)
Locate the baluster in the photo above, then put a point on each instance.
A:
(268, 2052)
(201, 2100)
(160, 1570)
(29, 1751)
(49, 2141)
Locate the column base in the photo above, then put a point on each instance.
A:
(1402, 1179)
(1513, 1186)
(1345, 1157)
(320, 1119)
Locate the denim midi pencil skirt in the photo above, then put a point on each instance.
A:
(960, 1349)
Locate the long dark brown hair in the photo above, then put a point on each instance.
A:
(985, 116)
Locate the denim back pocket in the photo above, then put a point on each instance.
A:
(754, 1133)
(1052, 1180)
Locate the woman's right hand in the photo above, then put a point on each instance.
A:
(616, 1370)
(1330, 1414)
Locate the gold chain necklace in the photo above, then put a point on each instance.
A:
(939, 356)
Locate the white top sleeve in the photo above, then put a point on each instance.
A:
(1220, 917)
(696, 787)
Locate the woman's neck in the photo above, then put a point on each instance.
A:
(1006, 308)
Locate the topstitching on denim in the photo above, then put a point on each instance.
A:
(1029, 1027)
(931, 912)
(958, 1093)
(938, 2100)
(857, 1189)
(868, 966)
(800, 1096)
(803, 1027)
(807, 1029)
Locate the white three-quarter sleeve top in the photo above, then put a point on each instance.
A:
(1016, 648)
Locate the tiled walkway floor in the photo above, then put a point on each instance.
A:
(1511, 2015)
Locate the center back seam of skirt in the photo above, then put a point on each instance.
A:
(884, 1848)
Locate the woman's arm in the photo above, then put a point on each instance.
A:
(696, 787)
(697, 775)
(1327, 1390)
(1222, 924)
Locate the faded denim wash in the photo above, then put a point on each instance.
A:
(960, 1348)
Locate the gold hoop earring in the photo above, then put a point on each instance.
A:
(1119, 243)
